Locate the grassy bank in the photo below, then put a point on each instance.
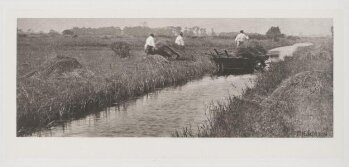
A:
(293, 99)
(106, 78)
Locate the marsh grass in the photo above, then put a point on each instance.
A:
(45, 102)
(280, 104)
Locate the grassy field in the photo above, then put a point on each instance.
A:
(294, 98)
(109, 79)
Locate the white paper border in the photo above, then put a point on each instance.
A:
(207, 151)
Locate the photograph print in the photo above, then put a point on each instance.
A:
(175, 77)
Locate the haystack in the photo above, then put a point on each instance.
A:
(121, 49)
(251, 51)
(303, 104)
(55, 67)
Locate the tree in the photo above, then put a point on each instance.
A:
(189, 31)
(53, 33)
(196, 30)
(274, 33)
(213, 33)
(68, 32)
(176, 30)
(203, 32)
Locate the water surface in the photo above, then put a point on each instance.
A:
(287, 51)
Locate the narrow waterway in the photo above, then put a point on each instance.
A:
(160, 113)
(286, 51)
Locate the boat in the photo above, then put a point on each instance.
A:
(232, 65)
(228, 63)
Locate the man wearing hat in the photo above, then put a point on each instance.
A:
(180, 41)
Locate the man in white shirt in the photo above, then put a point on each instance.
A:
(240, 38)
(180, 41)
(149, 46)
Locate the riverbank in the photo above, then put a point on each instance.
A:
(46, 102)
(294, 98)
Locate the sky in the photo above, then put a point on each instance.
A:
(288, 26)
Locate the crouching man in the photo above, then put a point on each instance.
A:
(180, 41)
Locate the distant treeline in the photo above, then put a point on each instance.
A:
(169, 31)
(137, 31)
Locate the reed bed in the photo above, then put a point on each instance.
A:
(294, 98)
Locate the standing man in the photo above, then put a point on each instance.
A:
(149, 46)
(240, 38)
(180, 41)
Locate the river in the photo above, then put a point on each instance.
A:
(162, 112)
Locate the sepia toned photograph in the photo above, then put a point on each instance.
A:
(175, 77)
